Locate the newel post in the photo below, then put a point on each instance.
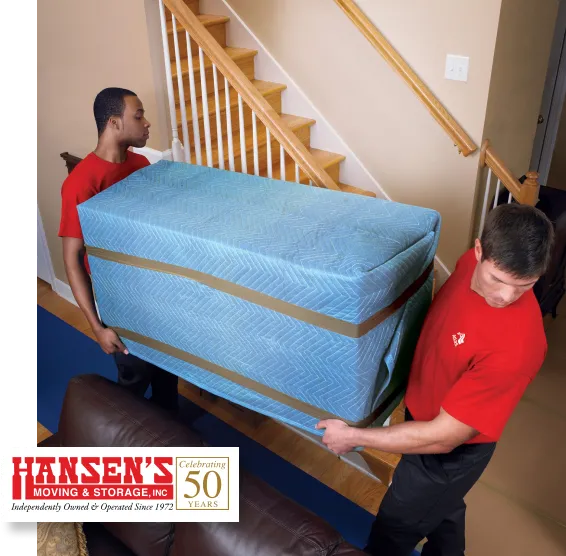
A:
(529, 189)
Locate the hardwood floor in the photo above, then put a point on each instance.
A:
(304, 454)
(42, 433)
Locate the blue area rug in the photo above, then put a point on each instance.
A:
(64, 352)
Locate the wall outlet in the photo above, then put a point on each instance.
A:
(457, 67)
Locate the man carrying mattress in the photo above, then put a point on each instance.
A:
(121, 123)
(481, 345)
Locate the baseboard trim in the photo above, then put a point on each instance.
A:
(442, 272)
(63, 290)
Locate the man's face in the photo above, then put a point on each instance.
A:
(497, 287)
(135, 128)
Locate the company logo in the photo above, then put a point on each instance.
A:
(131, 484)
(458, 339)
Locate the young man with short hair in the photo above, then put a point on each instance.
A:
(121, 123)
(482, 343)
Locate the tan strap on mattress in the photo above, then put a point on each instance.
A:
(319, 320)
(249, 383)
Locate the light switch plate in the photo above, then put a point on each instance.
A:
(457, 67)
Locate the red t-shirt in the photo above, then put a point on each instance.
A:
(91, 176)
(473, 360)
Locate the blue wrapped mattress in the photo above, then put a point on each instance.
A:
(297, 302)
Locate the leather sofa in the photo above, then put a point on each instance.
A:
(98, 412)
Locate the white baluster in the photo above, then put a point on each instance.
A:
(229, 126)
(282, 161)
(176, 147)
(194, 111)
(485, 199)
(243, 154)
(218, 120)
(297, 173)
(510, 198)
(256, 150)
(205, 118)
(186, 140)
(495, 199)
(269, 161)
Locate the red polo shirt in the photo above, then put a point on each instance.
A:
(473, 360)
(91, 176)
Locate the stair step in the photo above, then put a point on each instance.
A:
(243, 57)
(206, 19)
(271, 92)
(264, 87)
(215, 24)
(300, 126)
(235, 53)
(351, 189)
(328, 160)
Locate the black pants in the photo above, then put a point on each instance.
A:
(426, 499)
(136, 375)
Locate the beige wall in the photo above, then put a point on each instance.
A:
(82, 48)
(557, 174)
(373, 110)
(521, 56)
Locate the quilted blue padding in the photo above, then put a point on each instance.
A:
(339, 254)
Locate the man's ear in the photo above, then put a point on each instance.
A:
(115, 123)
(478, 250)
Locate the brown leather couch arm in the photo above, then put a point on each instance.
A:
(98, 412)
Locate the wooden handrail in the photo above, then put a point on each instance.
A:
(525, 193)
(263, 110)
(461, 139)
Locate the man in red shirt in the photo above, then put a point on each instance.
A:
(121, 123)
(481, 345)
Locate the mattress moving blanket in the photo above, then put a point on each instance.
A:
(297, 302)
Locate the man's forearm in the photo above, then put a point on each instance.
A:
(438, 436)
(81, 287)
(412, 437)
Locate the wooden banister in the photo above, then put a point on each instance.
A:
(525, 193)
(251, 96)
(461, 139)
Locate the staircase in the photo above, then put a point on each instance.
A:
(219, 128)
(213, 113)
(227, 118)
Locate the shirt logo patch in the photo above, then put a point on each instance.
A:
(458, 339)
